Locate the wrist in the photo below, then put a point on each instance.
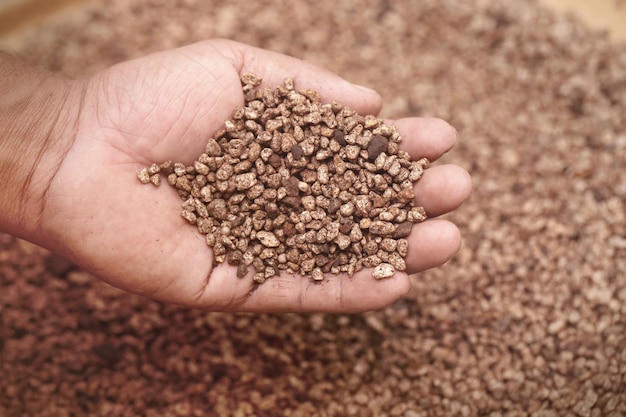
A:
(38, 114)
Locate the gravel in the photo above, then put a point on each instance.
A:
(291, 183)
(529, 319)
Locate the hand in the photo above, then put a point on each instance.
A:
(165, 106)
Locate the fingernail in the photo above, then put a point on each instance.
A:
(364, 89)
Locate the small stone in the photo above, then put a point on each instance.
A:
(384, 270)
(268, 239)
(317, 274)
(154, 169)
(343, 241)
(144, 176)
(201, 168)
(308, 202)
(339, 136)
(416, 214)
(259, 277)
(382, 228)
(297, 152)
(189, 216)
(155, 179)
(245, 181)
(405, 195)
(402, 230)
(352, 151)
(377, 145)
(213, 148)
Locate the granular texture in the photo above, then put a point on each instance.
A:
(529, 319)
(292, 184)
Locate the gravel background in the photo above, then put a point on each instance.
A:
(528, 319)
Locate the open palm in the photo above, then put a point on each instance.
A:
(165, 106)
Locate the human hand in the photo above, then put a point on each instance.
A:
(165, 106)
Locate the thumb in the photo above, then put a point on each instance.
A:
(274, 67)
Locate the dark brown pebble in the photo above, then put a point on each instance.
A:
(339, 137)
(346, 226)
(291, 185)
(402, 230)
(297, 152)
(334, 205)
(275, 160)
(377, 145)
(242, 270)
(234, 257)
(292, 201)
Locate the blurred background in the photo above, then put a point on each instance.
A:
(609, 15)
(602, 14)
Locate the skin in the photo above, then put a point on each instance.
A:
(70, 151)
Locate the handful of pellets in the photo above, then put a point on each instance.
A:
(292, 184)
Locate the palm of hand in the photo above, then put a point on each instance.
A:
(164, 107)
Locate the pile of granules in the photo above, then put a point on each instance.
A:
(292, 184)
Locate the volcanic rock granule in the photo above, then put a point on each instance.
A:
(292, 184)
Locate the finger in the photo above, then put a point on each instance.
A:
(442, 188)
(273, 68)
(336, 293)
(431, 243)
(426, 137)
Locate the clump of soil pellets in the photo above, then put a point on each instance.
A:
(290, 183)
